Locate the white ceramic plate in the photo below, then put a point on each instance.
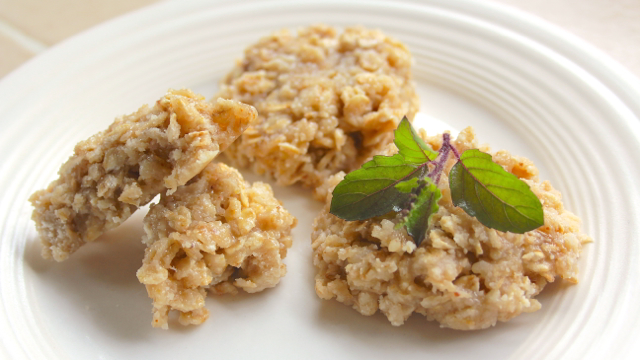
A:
(525, 85)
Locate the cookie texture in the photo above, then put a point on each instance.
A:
(111, 174)
(326, 100)
(216, 234)
(463, 275)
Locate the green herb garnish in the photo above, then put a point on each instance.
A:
(425, 204)
(497, 198)
(406, 183)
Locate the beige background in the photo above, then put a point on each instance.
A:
(28, 27)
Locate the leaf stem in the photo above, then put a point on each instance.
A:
(446, 137)
(443, 156)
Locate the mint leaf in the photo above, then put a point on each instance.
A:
(370, 191)
(497, 198)
(408, 185)
(424, 205)
(411, 146)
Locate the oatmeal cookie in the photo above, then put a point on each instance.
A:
(326, 101)
(464, 275)
(217, 233)
(140, 155)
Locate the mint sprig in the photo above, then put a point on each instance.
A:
(406, 183)
(420, 211)
(497, 198)
(370, 191)
(410, 145)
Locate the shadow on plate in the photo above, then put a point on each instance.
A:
(372, 331)
(99, 281)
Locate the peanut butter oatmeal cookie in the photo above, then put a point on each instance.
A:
(326, 101)
(140, 155)
(217, 233)
(463, 275)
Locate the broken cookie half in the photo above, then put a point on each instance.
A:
(218, 233)
(111, 174)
